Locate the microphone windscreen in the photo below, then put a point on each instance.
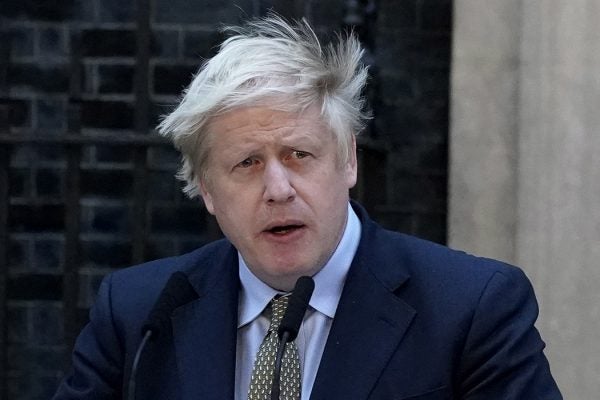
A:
(177, 292)
(297, 305)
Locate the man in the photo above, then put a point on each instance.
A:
(267, 133)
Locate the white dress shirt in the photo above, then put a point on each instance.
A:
(255, 295)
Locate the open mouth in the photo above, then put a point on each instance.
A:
(283, 229)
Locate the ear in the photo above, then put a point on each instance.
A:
(351, 167)
(206, 196)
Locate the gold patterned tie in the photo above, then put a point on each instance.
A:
(262, 373)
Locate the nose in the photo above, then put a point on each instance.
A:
(278, 187)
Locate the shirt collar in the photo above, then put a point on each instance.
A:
(329, 281)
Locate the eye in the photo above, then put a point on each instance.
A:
(247, 163)
(299, 154)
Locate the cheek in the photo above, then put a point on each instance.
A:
(231, 207)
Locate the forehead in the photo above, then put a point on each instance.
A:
(262, 123)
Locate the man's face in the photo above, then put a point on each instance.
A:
(277, 190)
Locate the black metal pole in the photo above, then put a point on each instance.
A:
(72, 191)
(5, 151)
(141, 127)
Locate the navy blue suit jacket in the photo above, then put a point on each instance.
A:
(415, 321)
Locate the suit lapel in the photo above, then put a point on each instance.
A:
(369, 324)
(367, 329)
(205, 331)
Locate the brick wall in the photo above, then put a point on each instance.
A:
(409, 43)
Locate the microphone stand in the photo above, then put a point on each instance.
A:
(134, 368)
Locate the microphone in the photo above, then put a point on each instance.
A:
(290, 325)
(297, 305)
(177, 292)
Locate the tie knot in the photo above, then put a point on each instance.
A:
(278, 306)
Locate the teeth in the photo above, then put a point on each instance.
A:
(282, 229)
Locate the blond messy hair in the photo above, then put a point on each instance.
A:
(270, 62)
